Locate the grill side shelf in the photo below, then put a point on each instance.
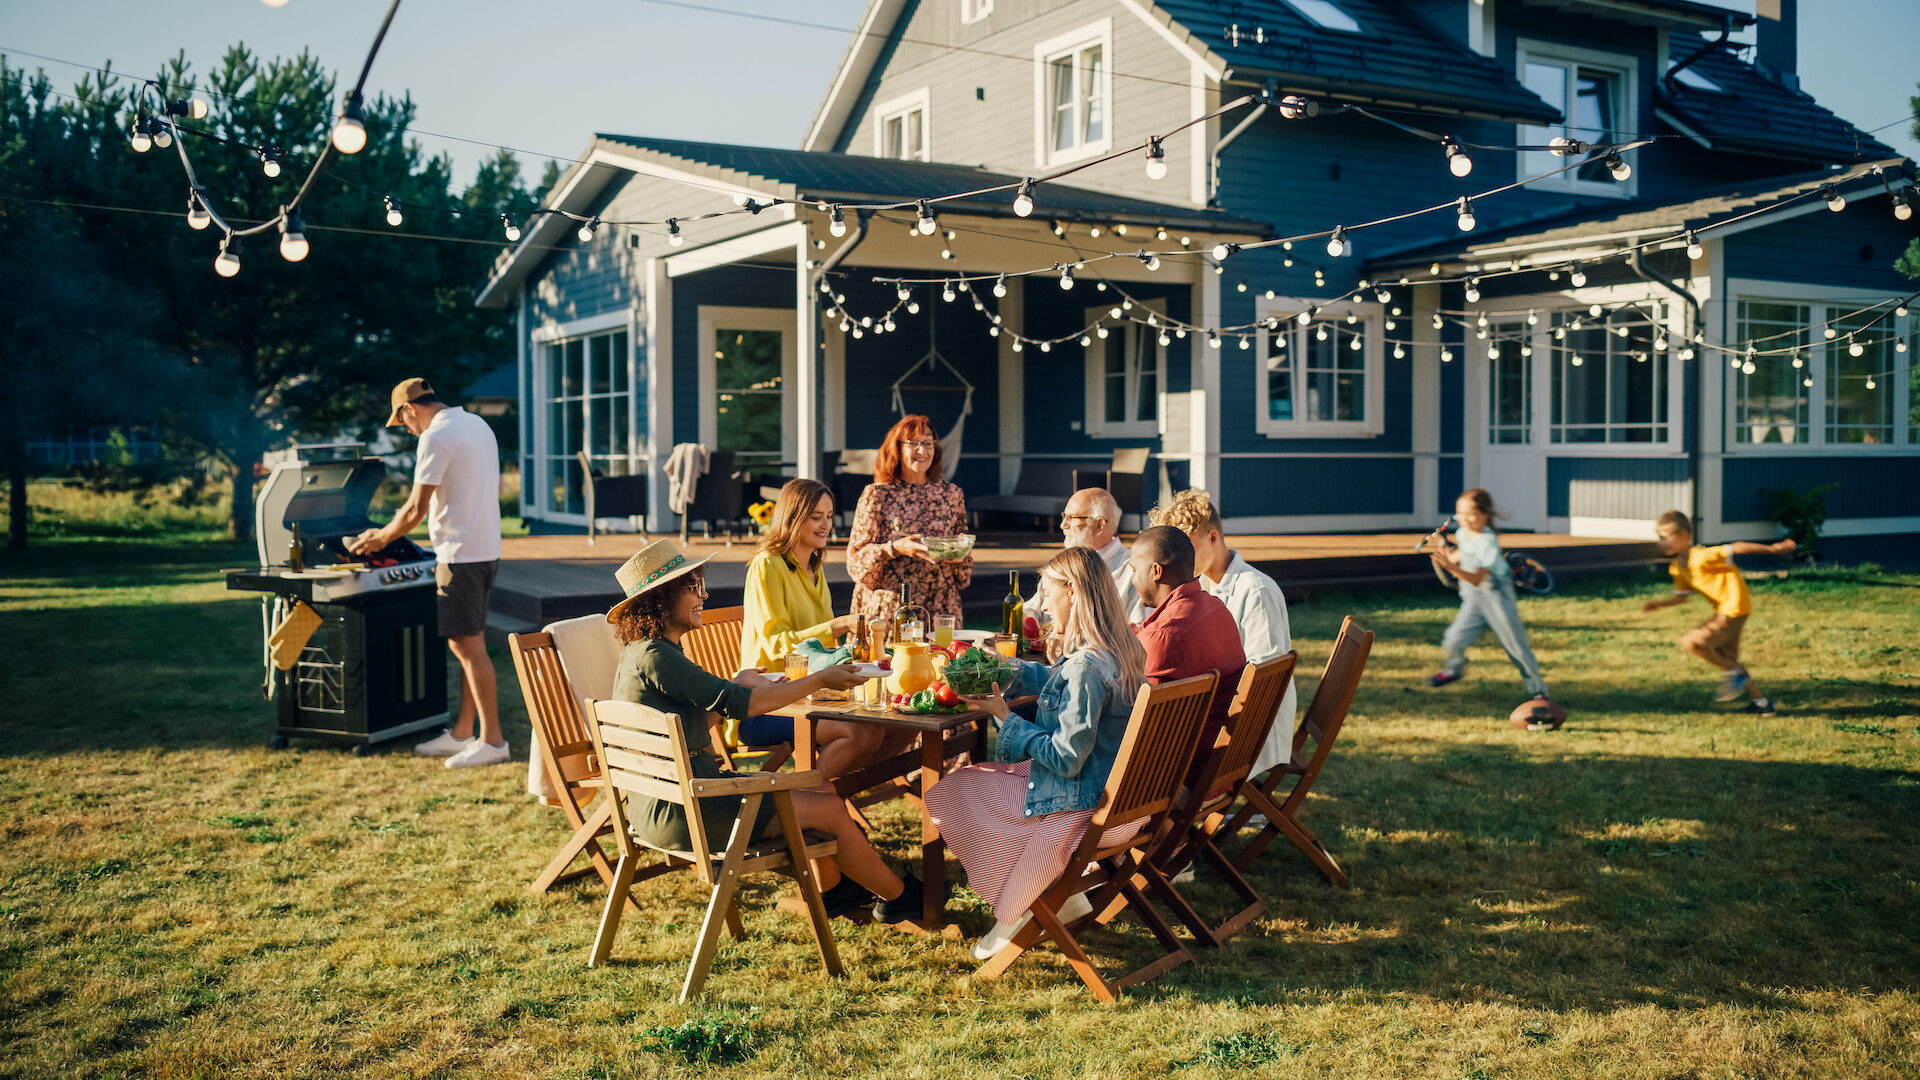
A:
(269, 581)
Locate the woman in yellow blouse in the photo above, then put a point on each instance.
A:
(786, 603)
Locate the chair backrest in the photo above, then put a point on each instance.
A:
(642, 751)
(858, 462)
(1250, 717)
(1328, 710)
(589, 651)
(1132, 459)
(716, 645)
(557, 715)
(1156, 751)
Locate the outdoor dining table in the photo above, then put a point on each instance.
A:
(942, 736)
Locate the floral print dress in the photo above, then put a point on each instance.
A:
(888, 512)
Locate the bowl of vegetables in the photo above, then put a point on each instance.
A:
(949, 548)
(976, 671)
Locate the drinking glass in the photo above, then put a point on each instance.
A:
(1006, 645)
(943, 628)
(796, 666)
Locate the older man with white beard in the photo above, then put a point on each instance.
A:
(1090, 520)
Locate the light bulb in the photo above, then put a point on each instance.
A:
(1337, 245)
(1836, 202)
(1900, 312)
(1618, 166)
(1293, 107)
(162, 135)
(1532, 319)
(1446, 356)
(1245, 342)
(1594, 310)
(1458, 163)
(1903, 206)
(1306, 317)
(1320, 333)
(1830, 333)
(350, 132)
(1747, 368)
(1694, 250)
(1066, 278)
(1806, 382)
(393, 212)
(1578, 360)
(197, 216)
(1870, 382)
(1383, 296)
(141, 141)
(1023, 202)
(1686, 353)
(513, 231)
(946, 293)
(1046, 346)
(293, 237)
(837, 222)
(586, 229)
(227, 263)
(1213, 340)
(1854, 348)
(1899, 346)
(1102, 332)
(1399, 353)
(913, 307)
(673, 232)
(1223, 249)
(926, 222)
(1152, 261)
(1000, 285)
(1156, 160)
(198, 108)
(1473, 293)
(269, 163)
(1018, 345)
(1561, 146)
(1660, 344)
(1578, 277)
(1799, 361)
(1466, 220)
(1493, 352)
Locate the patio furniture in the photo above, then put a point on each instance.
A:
(1124, 479)
(1224, 779)
(1041, 490)
(1328, 710)
(1153, 760)
(715, 646)
(644, 752)
(613, 497)
(848, 475)
(716, 498)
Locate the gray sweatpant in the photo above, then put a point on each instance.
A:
(1492, 608)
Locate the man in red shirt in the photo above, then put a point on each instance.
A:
(1188, 631)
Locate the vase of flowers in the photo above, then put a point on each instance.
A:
(761, 514)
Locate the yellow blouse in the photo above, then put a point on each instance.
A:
(783, 608)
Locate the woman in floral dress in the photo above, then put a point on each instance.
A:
(906, 503)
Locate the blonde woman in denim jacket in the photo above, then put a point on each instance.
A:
(1013, 824)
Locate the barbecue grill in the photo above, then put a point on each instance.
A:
(373, 670)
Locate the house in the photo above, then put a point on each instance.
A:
(1578, 352)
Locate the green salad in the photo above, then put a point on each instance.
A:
(976, 671)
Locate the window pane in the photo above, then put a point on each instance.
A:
(1594, 119)
(558, 469)
(890, 141)
(1770, 405)
(556, 429)
(1509, 388)
(747, 384)
(618, 444)
(573, 380)
(1093, 93)
(916, 135)
(1318, 378)
(1114, 377)
(601, 413)
(1147, 366)
(1061, 75)
(556, 366)
(1279, 377)
(621, 361)
(600, 364)
(1549, 82)
(1860, 388)
(576, 425)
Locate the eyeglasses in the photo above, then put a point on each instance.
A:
(695, 585)
(1078, 519)
(919, 444)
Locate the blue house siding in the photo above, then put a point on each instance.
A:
(1855, 248)
(1869, 486)
(1056, 381)
(1253, 487)
(1610, 487)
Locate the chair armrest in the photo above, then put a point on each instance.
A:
(747, 785)
(1028, 699)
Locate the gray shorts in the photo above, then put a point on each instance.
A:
(462, 590)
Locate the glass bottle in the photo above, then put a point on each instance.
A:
(296, 553)
(909, 619)
(1013, 610)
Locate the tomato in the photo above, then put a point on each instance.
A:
(885, 663)
(944, 694)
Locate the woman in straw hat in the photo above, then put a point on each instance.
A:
(665, 593)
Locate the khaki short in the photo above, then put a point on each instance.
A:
(1720, 634)
(462, 590)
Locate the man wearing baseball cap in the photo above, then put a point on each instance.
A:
(456, 490)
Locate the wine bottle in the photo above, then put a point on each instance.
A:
(296, 552)
(1013, 610)
(909, 619)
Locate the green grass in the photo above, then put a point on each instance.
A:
(1664, 889)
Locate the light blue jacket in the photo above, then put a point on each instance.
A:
(1076, 733)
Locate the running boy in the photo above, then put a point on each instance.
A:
(1710, 572)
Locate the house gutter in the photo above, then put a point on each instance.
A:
(1247, 121)
(1726, 31)
(1640, 271)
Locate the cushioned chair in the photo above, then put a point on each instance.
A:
(1124, 479)
(613, 497)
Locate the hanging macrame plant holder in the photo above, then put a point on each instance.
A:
(930, 364)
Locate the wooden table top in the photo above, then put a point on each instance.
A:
(835, 710)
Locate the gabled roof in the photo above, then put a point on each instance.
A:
(1759, 116)
(1623, 223)
(834, 177)
(1396, 58)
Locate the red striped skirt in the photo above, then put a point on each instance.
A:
(1010, 858)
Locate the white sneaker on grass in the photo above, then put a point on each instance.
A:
(444, 744)
(998, 938)
(481, 752)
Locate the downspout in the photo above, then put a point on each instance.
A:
(1694, 323)
(1726, 31)
(819, 274)
(1247, 121)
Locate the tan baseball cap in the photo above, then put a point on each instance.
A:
(405, 392)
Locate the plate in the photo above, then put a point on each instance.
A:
(871, 671)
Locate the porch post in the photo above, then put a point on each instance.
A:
(1013, 385)
(806, 381)
(1424, 360)
(1204, 400)
(659, 337)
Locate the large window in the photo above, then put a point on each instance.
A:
(1771, 390)
(1126, 373)
(587, 406)
(1800, 386)
(1609, 382)
(1075, 94)
(1510, 385)
(901, 131)
(1323, 378)
(1860, 388)
(1594, 92)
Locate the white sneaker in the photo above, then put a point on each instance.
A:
(1002, 934)
(481, 752)
(1183, 876)
(444, 744)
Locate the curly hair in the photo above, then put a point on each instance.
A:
(647, 617)
(1190, 511)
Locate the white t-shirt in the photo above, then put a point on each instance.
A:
(1259, 608)
(459, 455)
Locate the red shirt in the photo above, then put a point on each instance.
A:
(1189, 634)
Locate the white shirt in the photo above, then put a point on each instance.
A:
(460, 458)
(1116, 555)
(1260, 610)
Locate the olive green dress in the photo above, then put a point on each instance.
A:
(657, 674)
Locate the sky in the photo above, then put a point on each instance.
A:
(541, 78)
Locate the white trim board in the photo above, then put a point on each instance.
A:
(1324, 523)
(779, 238)
(1877, 526)
(611, 320)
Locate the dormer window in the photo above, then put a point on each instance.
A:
(1325, 14)
(1074, 95)
(1595, 95)
(900, 128)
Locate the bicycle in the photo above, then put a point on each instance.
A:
(1529, 574)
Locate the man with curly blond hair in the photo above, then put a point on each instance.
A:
(1258, 606)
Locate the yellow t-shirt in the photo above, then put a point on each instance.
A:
(783, 608)
(1710, 572)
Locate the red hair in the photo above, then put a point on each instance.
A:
(886, 465)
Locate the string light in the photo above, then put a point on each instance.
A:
(1836, 202)
(1150, 260)
(512, 230)
(195, 107)
(926, 224)
(293, 237)
(837, 221)
(1473, 291)
(1337, 245)
(139, 137)
(197, 216)
(1293, 107)
(350, 131)
(1156, 160)
(1577, 276)
(394, 218)
(673, 232)
(1458, 163)
(1561, 146)
(162, 133)
(586, 229)
(1903, 203)
(1023, 202)
(1617, 166)
(1466, 220)
(1223, 249)
(227, 263)
(269, 162)
(1694, 250)
(1066, 277)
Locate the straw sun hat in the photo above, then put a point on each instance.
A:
(651, 567)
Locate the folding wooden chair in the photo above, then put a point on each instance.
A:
(1153, 760)
(566, 755)
(1328, 710)
(716, 648)
(644, 752)
(1223, 779)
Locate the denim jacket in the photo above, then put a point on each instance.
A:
(1076, 735)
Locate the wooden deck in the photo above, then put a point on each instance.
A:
(545, 578)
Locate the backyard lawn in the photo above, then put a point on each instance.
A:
(1664, 889)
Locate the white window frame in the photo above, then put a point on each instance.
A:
(1372, 318)
(1097, 33)
(1096, 423)
(1822, 302)
(900, 107)
(712, 319)
(1551, 350)
(538, 499)
(972, 11)
(1626, 115)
